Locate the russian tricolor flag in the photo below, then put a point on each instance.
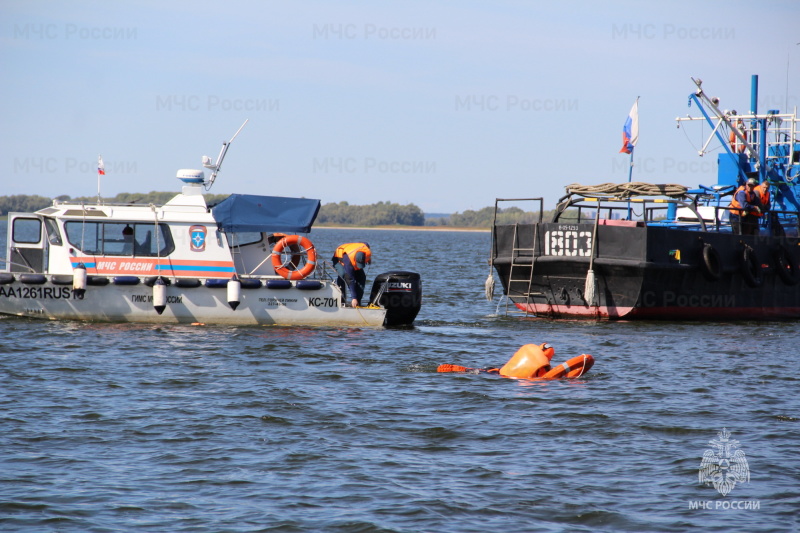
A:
(101, 167)
(630, 131)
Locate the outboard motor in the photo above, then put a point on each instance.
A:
(400, 292)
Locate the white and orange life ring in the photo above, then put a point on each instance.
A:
(291, 244)
(573, 368)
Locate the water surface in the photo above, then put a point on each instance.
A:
(178, 428)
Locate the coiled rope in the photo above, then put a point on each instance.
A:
(625, 190)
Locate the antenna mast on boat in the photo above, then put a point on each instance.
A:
(723, 118)
(207, 163)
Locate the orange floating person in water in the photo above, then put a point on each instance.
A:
(532, 361)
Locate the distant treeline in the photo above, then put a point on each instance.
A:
(23, 203)
(378, 214)
(28, 203)
(483, 218)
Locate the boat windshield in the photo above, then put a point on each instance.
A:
(120, 238)
(53, 235)
(244, 238)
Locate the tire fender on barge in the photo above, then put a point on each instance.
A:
(751, 267)
(711, 264)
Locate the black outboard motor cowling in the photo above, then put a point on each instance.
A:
(400, 292)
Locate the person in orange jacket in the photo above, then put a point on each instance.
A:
(764, 196)
(349, 260)
(745, 209)
(762, 191)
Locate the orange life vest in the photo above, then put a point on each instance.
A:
(530, 361)
(351, 249)
(736, 207)
(763, 193)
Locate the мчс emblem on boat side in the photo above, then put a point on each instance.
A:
(197, 237)
(725, 466)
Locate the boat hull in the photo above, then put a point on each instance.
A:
(647, 272)
(203, 305)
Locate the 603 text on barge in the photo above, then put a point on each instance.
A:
(678, 257)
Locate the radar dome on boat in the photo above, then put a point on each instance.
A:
(188, 175)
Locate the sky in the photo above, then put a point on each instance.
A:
(444, 104)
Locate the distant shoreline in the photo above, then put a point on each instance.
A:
(406, 228)
(386, 228)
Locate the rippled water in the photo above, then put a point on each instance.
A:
(125, 427)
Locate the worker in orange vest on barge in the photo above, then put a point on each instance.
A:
(745, 209)
(349, 260)
(762, 191)
(764, 197)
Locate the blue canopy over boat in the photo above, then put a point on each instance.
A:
(248, 212)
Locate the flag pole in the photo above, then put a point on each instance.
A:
(630, 176)
(101, 169)
(633, 147)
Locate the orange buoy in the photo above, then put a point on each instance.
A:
(530, 361)
(573, 368)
